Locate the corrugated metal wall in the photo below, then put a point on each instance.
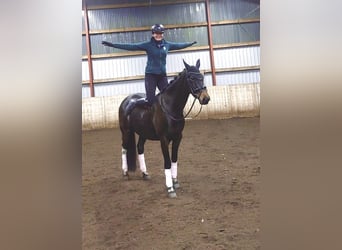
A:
(116, 72)
(134, 66)
(237, 57)
(131, 17)
(234, 9)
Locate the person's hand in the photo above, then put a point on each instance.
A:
(105, 43)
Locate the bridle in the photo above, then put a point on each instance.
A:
(193, 90)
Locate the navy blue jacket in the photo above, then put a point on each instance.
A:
(156, 52)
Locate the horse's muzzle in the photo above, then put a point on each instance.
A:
(204, 97)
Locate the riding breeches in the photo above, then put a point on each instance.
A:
(153, 81)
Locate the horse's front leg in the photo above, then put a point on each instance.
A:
(175, 146)
(164, 142)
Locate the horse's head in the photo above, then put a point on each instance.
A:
(195, 82)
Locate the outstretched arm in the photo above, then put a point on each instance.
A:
(175, 46)
(125, 46)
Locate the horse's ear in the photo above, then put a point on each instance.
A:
(187, 66)
(198, 63)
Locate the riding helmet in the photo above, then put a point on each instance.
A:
(157, 28)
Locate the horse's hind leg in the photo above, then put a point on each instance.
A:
(141, 158)
(124, 165)
(128, 152)
(124, 162)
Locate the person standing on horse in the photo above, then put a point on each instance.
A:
(156, 50)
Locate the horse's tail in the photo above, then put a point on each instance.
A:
(131, 152)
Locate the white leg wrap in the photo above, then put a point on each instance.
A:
(168, 178)
(174, 170)
(124, 160)
(142, 163)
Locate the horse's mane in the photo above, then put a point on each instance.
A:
(180, 74)
(175, 79)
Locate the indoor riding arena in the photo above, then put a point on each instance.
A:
(218, 201)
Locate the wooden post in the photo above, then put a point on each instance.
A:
(90, 64)
(210, 38)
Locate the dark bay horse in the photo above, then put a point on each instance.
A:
(163, 121)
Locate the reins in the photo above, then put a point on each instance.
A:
(191, 109)
(192, 105)
(198, 111)
(179, 119)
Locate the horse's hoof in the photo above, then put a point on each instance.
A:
(175, 183)
(125, 175)
(171, 192)
(146, 176)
